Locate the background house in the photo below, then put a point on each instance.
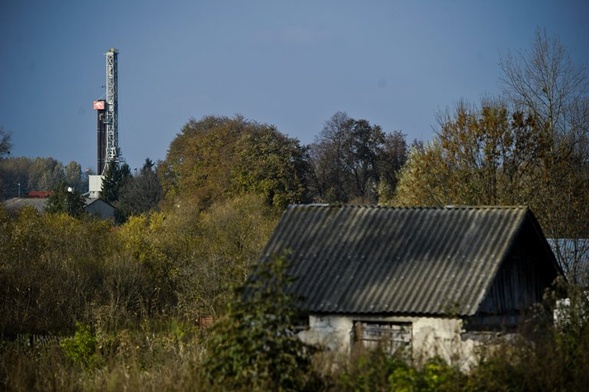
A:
(432, 280)
(96, 207)
(15, 204)
(99, 208)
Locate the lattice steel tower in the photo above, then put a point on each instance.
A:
(111, 118)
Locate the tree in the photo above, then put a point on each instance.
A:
(45, 174)
(65, 199)
(230, 237)
(254, 347)
(51, 271)
(219, 157)
(546, 83)
(142, 192)
(327, 156)
(5, 144)
(530, 148)
(39, 174)
(4, 150)
(14, 173)
(151, 242)
(351, 159)
(480, 156)
(394, 156)
(114, 178)
(74, 176)
(270, 164)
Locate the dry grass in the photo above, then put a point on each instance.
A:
(141, 360)
(168, 357)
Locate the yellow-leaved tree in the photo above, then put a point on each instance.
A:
(529, 148)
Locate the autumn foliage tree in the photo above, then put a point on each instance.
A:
(219, 157)
(230, 237)
(479, 157)
(52, 268)
(530, 147)
(547, 83)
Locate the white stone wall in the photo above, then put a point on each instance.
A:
(430, 336)
(333, 333)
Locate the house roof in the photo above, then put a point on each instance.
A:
(94, 200)
(16, 203)
(361, 259)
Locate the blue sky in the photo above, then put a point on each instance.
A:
(292, 64)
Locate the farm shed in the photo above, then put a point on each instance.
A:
(424, 279)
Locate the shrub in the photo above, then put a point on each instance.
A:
(254, 346)
(377, 370)
(81, 348)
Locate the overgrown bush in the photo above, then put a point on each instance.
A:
(136, 292)
(377, 370)
(81, 348)
(254, 346)
(56, 270)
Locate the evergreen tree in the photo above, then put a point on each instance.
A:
(114, 178)
(142, 192)
(65, 199)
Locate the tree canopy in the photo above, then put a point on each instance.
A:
(141, 192)
(115, 176)
(480, 157)
(65, 199)
(352, 160)
(39, 174)
(545, 82)
(220, 157)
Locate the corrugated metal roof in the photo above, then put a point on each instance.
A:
(361, 259)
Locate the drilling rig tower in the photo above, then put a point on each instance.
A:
(107, 124)
(113, 153)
